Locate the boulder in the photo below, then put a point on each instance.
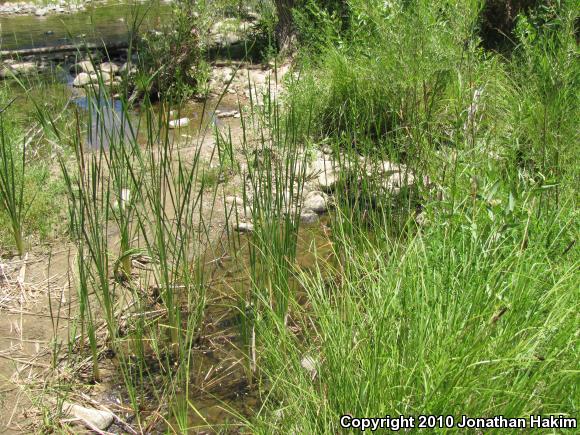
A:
(227, 114)
(324, 168)
(127, 68)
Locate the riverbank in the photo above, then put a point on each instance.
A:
(384, 224)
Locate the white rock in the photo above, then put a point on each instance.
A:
(178, 123)
(109, 68)
(316, 201)
(128, 68)
(106, 77)
(398, 180)
(327, 180)
(323, 168)
(309, 364)
(244, 227)
(94, 418)
(10, 69)
(40, 12)
(84, 66)
(228, 114)
(83, 79)
(239, 202)
(308, 217)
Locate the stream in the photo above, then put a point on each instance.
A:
(228, 386)
(108, 22)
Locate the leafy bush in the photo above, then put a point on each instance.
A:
(171, 58)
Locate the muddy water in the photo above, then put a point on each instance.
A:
(221, 386)
(104, 22)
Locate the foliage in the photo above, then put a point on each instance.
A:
(171, 61)
(27, 191)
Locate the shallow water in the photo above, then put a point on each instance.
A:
(105, 22)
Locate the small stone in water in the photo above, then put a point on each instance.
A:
(109, 67)
(177, 123)
(244, 227)
(308, 217)
(229, 114)
(316, 201)
(81, 80)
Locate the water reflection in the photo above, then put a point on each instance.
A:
(108, 122)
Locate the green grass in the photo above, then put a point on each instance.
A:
(475, 312)
(29, 192)
(472, 311)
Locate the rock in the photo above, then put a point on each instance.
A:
(93, 418)
(239, 202)
(308, 217)
(95, 76)
(327, 181)
(421, 219)
(309, 364)
(244, 227)
(85, 66)
(228, 114)
(109, 68)
(17, 68)
(178, 123)
(83, 79)
(128, 68)
(40, 12)
(224, 74)
(397, 181)
(116, 82)
(323, 168)
(316, 201)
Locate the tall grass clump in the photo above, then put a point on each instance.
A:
(12, 163)
(134, 194)
(470, 310)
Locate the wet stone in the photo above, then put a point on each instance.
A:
(308, 217)
(244, 227)
(316, 201)
(178, 123)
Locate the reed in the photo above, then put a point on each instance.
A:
(13, 163)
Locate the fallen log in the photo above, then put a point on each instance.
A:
(110, 46)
